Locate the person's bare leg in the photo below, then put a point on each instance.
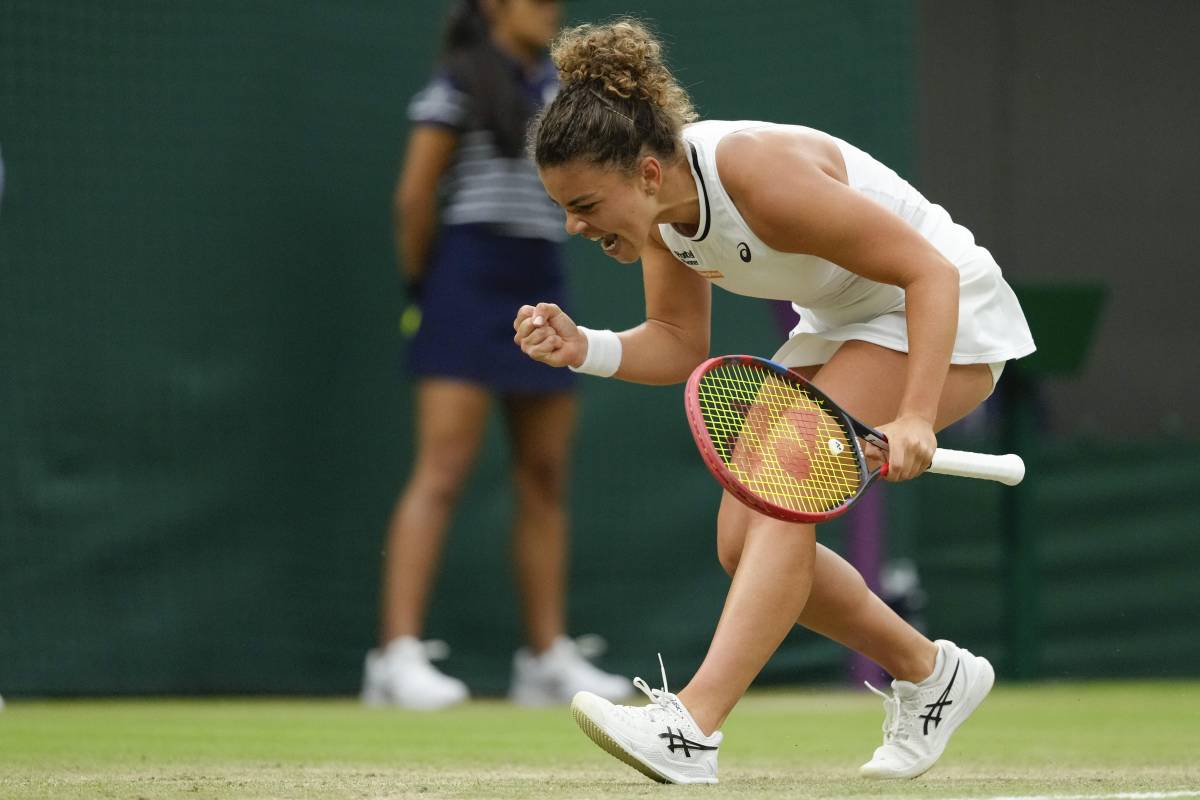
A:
(450, 420)
(768, 592)
(841, 606)
(541, 428)
(866, 380)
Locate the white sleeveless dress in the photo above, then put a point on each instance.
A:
(834, 304)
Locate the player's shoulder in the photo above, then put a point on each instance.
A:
(754, 156)
(769, 145)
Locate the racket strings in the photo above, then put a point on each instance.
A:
(778, 440)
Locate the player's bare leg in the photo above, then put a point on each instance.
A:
(551, 669)
(450, 420)
(451, 417)
(540, 429)
(842, 607)
(769, 591)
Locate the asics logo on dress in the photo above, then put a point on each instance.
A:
(677, 741)
(934, 714)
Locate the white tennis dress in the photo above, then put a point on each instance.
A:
(834, 304)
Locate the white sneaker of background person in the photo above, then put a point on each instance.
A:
(556, 675)
(660, 740)
(919, 718)
(400, 675)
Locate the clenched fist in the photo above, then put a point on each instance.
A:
(545, 333)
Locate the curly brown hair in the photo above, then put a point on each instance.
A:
(618, 99)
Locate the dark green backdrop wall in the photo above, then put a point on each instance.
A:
(202, 420)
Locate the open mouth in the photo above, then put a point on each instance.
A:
(608, 241)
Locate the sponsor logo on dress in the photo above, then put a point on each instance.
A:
(687, 257)
(744, 252)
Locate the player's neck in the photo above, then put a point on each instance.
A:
(678, 200)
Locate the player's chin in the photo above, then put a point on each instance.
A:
(625, 252)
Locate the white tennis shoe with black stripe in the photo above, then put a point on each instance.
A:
(920, 718)
(660, 740)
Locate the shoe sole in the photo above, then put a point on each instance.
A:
(611, 746)
(987, 678)
(608, 744)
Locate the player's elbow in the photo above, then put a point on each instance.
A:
(693, 354)
(944, 272)
(679, 348)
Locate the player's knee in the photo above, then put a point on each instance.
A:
(441, 480)
(539, 480)
(729, 555)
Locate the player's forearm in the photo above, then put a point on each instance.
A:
(658, 353)
(415, 228)
(931, 306)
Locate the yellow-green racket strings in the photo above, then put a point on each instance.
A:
(779, 441)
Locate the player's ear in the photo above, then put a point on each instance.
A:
(650, 174)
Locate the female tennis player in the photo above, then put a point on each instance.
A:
(905, 322)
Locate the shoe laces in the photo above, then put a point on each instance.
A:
(892, 715)
(660, 698)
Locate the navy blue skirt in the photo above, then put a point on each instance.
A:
(476, 281)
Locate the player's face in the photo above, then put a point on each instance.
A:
(606, 205)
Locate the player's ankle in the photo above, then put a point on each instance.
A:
(919, 666)
(707, 718)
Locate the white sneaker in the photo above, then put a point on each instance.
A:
(919, 718)
(660, 740)
(401, 675)
(558, 674)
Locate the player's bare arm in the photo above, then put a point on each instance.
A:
(662, 350)
(415, 202)
(675, 336)
(789, 190)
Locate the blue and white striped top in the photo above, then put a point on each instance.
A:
(482, 186)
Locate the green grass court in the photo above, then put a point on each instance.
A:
(1084, 739)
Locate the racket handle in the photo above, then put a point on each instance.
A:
(1008, 469)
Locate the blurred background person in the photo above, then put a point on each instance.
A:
(475, 235)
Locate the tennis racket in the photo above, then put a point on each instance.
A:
(783, 448)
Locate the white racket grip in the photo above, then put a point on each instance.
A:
(1008, 469)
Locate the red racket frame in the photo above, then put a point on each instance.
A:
(716, 465)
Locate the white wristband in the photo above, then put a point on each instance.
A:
(603, 353)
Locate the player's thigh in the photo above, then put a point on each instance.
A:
(451, 417)
(734, 516)
(868, 380)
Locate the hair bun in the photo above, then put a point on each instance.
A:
(622, 58)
